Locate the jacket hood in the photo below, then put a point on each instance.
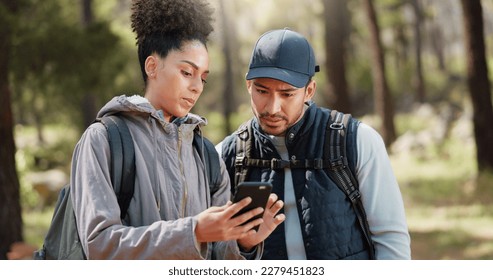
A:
(139, 104)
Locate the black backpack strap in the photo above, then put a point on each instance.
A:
(210, 158)
(339, 171)
(122, 160)
(243, 152)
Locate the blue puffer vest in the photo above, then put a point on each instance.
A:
(329, 224)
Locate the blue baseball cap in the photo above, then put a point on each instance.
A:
(283, 55)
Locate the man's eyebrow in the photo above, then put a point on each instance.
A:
(283, 90)
(259, 85)
(193, 65)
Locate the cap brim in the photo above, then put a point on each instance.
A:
(293, 78)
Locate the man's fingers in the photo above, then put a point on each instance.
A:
(272, 199)
(274, 207)
(279, 219)
(277, 206)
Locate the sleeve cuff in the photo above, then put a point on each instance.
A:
(254, 254)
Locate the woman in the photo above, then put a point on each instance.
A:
(173, 213)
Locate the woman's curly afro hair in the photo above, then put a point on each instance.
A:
(164, 25)
(185, 19)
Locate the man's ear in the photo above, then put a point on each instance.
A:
(150, 66)
(249, 84)
(310, 90)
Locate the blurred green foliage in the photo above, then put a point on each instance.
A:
(56, 61)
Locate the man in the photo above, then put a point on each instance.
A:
(173, 213)
(287, 126)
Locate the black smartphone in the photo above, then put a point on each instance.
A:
(258, 191)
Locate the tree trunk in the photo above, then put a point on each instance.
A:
(229, 81)
(477, 80)
(10, 208)
(382, 96)
(89, 106)
(418, 80)
(438, 45)
(336, 36)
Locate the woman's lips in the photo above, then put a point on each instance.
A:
(189, 101)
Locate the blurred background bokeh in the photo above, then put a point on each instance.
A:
(416, 70)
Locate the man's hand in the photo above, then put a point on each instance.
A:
(270, 222)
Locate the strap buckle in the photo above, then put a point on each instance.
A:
(278, 163)
(338, 163)
(318, 163)
(240, 161)
(355, 195)
(337, 126)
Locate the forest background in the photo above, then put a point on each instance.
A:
(403, 66)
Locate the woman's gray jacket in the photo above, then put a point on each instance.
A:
(171, 189)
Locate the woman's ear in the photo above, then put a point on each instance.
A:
(150, 66)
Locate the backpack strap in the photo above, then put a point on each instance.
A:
(210, 158)
(243, 152)
(339, 171)
(122, 160)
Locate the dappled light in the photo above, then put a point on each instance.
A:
(61, 70)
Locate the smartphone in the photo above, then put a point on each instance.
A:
(258, 191)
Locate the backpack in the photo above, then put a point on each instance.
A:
(62, 240)
(334, 162)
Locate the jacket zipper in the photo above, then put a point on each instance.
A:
(185, 187)
(158, 189)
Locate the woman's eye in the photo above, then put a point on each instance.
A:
(186, 73)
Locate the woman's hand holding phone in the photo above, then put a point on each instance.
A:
(220, 223)
(249, 220)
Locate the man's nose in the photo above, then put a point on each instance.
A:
(274, 105)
